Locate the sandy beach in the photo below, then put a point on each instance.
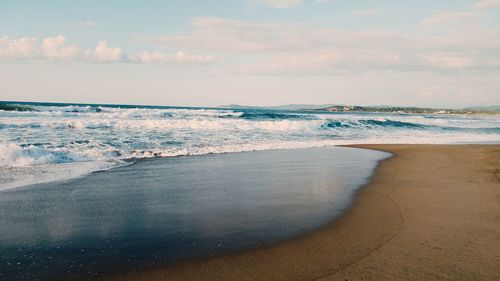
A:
(431, 212)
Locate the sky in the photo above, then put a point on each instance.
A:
(253, 52)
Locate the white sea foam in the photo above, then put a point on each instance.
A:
(14, 177)
(16, 156)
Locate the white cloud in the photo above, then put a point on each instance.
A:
(453, 20)
(331, 61)
(182, 57)
(17, 48)
(488, 4)
(179, 57)
(280, 4)
(253, 47)
(240, 36)
(27, 48)
(447, 61)
(365, 13)
(56, 48)
(104, 53)
(297, 48)
(248, 37)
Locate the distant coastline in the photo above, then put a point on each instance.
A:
(414, 110)
(494, 109)
(375, 109)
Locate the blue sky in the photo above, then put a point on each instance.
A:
(259, 52)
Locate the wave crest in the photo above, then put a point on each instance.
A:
(17, 156)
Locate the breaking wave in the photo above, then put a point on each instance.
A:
(14, 155)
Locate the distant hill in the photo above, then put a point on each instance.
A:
(484, 108)
(382, 108)
(400, 109)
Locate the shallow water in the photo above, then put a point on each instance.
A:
(164, 210)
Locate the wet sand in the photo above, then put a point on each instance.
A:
(431, 212)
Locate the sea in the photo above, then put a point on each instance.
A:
(52, 142)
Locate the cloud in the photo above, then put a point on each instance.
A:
(179, 57)
(488, 4)
(280, 4)
(17, 48)
(327, 61)
(249, 37)
(236, 36)
(453, 20)
(104, 53)
(447, 61)
(27, 48)
(275, 48)
(365, 13)
(56, 48)
(272, 48)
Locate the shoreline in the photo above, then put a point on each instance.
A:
(419, 217)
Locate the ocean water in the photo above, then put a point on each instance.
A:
(54, 142)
